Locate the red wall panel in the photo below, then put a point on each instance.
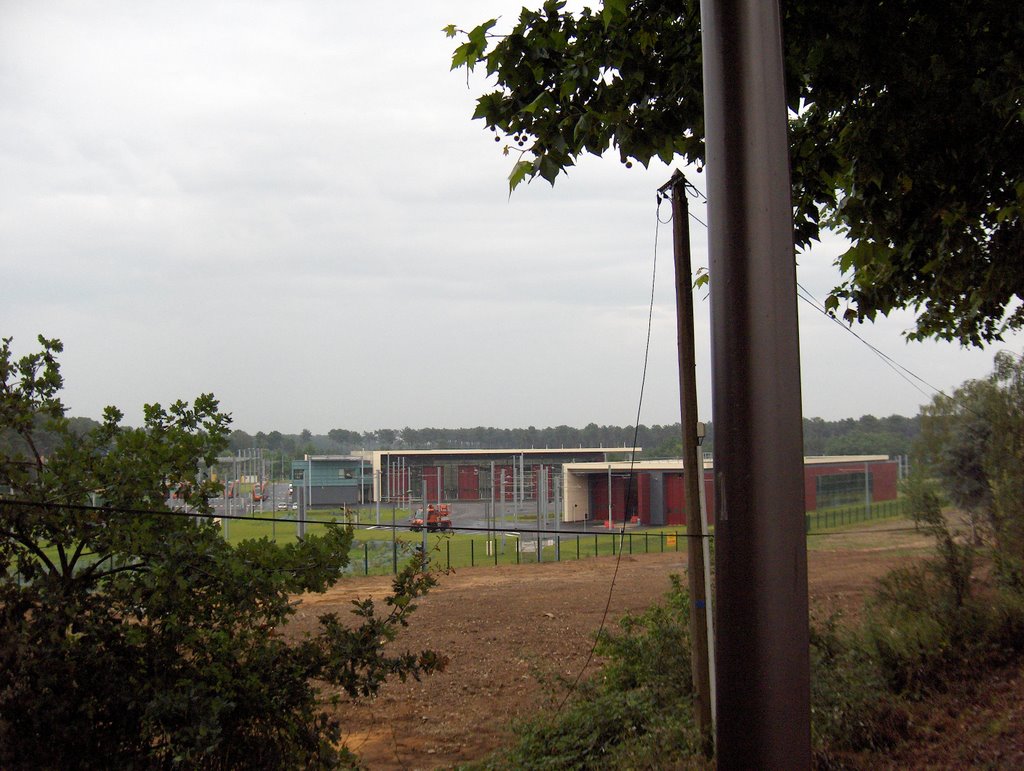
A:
(469, 483)
(434, 477)
(675, 499)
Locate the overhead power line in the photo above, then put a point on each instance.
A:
(179, 513)
(890, 362)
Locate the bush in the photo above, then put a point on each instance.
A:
(917, 634)
(134, 637)
(851, 708)
(634, 713)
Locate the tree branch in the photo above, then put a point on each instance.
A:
(31, 546)
(92, 572)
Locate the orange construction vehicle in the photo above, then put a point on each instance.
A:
(438, 518)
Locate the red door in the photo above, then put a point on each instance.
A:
(599, 497)
(643, 497)
(675, 500)
(434, 477)
(469, 483)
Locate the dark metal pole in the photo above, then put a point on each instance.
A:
(763, 695)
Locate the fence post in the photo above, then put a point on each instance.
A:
(472, 554)
(662, 535)
(630, 543)
(577, 547)
(517, 550)
(677, 540)
(366, 558)
(448, 553)
(595, 544)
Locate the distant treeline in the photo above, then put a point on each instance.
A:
(893, 435)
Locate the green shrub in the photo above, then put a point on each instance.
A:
(635, 713)
(929, 625)
(1005, 617)
(851, 708)
(915, 632)
(652, 652)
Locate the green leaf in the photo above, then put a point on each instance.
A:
(520, 171)
(549, 169)
(472, 51)
(542, 101)
(701, 279)
(612, 11)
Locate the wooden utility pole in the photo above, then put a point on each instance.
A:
(693, 465)
(761, 645)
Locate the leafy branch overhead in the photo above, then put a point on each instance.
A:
(906, 123)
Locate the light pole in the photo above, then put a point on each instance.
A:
(426, 528)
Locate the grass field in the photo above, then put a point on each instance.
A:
(375, 550)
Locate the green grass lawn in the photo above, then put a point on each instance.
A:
(374, 552)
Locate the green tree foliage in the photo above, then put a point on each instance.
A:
(132, 636)
(906, 124)
(891, 435)
(867, 435)
(868, 443)
(346, 440)
(974, 442)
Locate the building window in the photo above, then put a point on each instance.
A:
(836, 490)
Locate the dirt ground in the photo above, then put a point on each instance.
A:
(510, 630)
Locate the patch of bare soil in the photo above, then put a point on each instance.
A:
(510, 632)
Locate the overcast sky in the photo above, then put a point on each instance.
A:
(287, 204)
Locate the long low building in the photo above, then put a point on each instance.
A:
(652, 492)
(584, 483)
(461, 475)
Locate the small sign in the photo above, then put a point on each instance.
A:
(671, 541)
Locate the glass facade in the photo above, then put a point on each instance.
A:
(834, 490)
